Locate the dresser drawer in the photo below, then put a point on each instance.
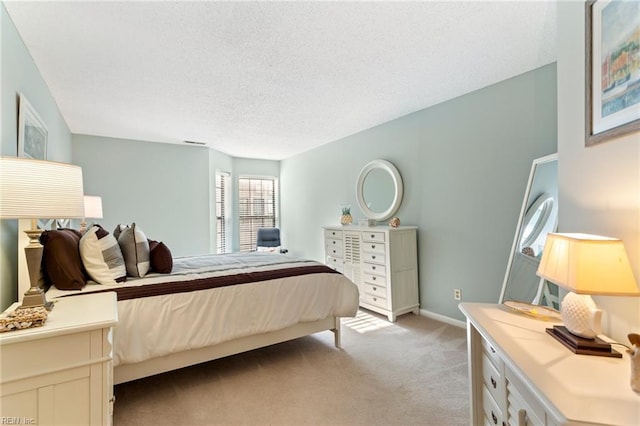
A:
(373, 237)
(335, 262)
(492, 378)
(376, 248)
(374, 279)
(373, 268)
(492, 413)
(333, 248)
(492, 354)
(373, 258)
(332, 233)
(375, 300)
(375, 290)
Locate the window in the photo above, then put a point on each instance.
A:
(222, 212)
(257, 208)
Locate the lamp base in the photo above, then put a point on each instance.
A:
(35, 297)
(580, 345)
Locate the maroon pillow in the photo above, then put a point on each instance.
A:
(160, 257)
(61, 262)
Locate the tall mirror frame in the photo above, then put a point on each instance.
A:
(538, 216)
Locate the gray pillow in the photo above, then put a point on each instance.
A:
(135, 249)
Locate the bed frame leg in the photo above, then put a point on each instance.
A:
(336, 334)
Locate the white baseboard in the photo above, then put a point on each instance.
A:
(442, 318)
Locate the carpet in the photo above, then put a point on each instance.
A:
(411, 372)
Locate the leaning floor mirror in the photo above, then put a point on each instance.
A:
(538, 217)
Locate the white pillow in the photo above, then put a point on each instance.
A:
(135, 249)
(101, 256)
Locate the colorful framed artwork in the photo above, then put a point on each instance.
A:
(32, 132)
(612, 90)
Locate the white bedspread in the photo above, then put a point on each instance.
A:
(154, 326)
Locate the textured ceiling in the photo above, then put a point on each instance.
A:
(272, 79)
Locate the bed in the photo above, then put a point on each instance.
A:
(211, 306)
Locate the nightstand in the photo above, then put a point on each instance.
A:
(61, 373)
(519, 375)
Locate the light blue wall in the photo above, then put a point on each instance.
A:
(165, 189)
(464, 164)
(19, 74)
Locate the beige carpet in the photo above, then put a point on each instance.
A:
(412, 372)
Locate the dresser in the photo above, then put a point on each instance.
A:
(520, 375)
(61, 373)
(382, 261)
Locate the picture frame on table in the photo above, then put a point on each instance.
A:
(32, 132)
(612, 69)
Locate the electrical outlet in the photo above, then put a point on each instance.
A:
(457, 294)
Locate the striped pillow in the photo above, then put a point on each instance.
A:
(101, 256)
(135, 249)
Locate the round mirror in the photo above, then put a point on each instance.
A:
(379, 190)
(534, 222)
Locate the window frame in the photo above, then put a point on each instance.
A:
(257, 220)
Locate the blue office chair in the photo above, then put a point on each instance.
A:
(268, 239)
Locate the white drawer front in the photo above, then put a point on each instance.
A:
(375, 300)
(492, 412)
(375, 290)
(492, 378)
(335, 262)
(378, 248)
(333, 248)
(492, 354)
(374, 258)
(375, 269)
(375, 279)
(373, 236)
(332, 233)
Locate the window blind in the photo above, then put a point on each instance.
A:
(222, 184)
(257, 208)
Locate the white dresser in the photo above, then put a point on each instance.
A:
(382, 261)
(61, 373)
(520, 375)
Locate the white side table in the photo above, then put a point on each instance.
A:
(61, 373)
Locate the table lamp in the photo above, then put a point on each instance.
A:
(37, 189)
(585, 264)
(92, 210)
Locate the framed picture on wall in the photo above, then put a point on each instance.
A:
(612, 92)
(32, 132)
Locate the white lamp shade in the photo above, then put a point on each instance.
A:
(36, 189)
(588, 264)
(92, 207)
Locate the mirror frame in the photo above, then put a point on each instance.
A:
(546, 202)
(385, 166)
(523, 212)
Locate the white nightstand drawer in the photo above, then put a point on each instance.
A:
(373, 237)
(375, 279)
(492, 354)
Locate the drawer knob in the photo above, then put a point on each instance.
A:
(372, 235)
(374, 278)
(373, 267)
(494, 418)
(375, 289)
(373, 257)
(493, 351)
(373, 246)
(493, 382)
(375, 299)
